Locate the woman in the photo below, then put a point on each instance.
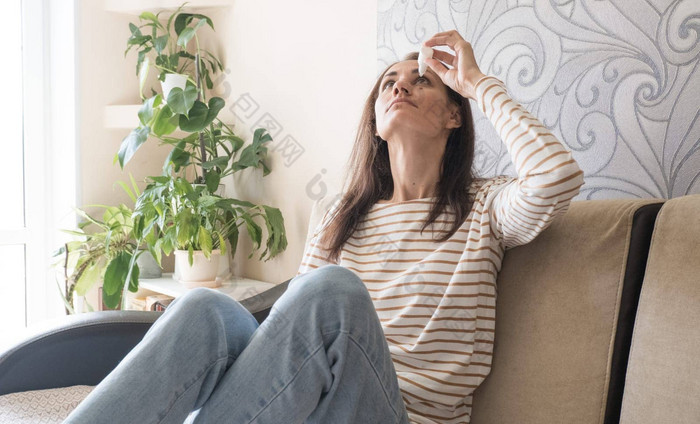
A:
(384, 322)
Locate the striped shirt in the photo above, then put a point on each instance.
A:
(436, 301)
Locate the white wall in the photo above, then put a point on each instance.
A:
(309, 66)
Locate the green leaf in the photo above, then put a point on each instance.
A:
(184, 228)
(194, 122)
(88, 278)
(150, 17)
(143, 73)
(181, 21)
(131, 143)
(200, 116)
(185, 37)
(184, 19)
(218, 162)
(205, 242)
(164, 121)
(115, 274)
(253, 155)
(253, 229)
(181, 101)
(134, 30)
(160, 43)
(233, 240)
(212, 180)
(222, 243)
(179, 157)
(146, 109)
(134, 280)
(276, 240)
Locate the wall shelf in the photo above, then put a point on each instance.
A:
(135, 7)
(121, 116)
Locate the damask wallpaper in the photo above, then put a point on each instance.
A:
(617, 81)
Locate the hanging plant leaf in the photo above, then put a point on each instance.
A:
(277, 240)
(146, 110)
(181, 101)
(253, 154)
(165, 121)
(200, 116)
(131, 143)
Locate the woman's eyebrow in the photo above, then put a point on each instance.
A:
(391, 74)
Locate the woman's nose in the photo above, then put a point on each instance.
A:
(401, 85)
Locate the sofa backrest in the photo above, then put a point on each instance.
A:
(663, 376)
(564, 315)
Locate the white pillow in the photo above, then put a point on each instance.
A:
(41, 406)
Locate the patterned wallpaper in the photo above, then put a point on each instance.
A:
(617, 81)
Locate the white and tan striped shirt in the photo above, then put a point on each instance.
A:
(436, 301)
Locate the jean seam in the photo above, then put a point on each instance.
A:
(308, 358)
(190, 386)
(350, 337)
(376, 373)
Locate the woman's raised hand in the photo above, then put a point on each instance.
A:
(465, 72)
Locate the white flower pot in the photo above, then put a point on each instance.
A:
(172, 81)
(203, 271)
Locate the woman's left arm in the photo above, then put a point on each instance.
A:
(548, 176)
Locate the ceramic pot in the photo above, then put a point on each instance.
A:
(203, 271)
(172, 81)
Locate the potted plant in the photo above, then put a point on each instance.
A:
(173, 215)
(167, 44)
(180, 209)
(105, 250)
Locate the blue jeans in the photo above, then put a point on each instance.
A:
(319, 357)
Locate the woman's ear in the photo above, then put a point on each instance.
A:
(455, 120)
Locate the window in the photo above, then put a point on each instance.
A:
(38, 173)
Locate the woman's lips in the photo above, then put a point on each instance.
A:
(401, 101)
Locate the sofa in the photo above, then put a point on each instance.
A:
(598, 321)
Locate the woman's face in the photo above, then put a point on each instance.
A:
(425, 110)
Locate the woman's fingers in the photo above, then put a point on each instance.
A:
(449, 38)
(438, 67)
(445, 57)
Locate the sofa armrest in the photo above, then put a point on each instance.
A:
(81, 349)
(78, 349)
(260, 304)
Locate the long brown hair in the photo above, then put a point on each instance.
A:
(370, 177)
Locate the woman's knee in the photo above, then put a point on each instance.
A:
(329, 282)
(202, 299)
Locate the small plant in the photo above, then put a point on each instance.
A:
(172, 214)
(168, 43)
(105, 250)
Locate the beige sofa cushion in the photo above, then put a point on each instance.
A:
(556, 316)
(663, 375)
(41, 406)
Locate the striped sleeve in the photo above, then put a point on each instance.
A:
(548, 176)
(314, 254)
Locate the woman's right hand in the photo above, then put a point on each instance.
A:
(465, 72)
